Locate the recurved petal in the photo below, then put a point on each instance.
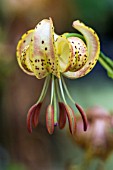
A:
(23, 52)
(79, 53)
(93, 47)
(63, 51)
(83, 115)
(71, 118)
(50, 119)
(42, 50)
(62, 115)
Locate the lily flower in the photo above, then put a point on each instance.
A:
(44, 54)
(98, 140)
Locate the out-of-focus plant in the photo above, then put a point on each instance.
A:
(97, 141)
(7, 65)
(42, 53)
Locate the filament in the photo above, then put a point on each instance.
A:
(55, 107)
(44, 89)
(52, 89)
(62, 93)
(57, 89)
(67, 91)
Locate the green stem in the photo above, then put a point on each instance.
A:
(44, 89)
(62, 92)
(106, 62)
(75, 35)
(67, 91)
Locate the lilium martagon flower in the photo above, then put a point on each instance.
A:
(44, 54)
(98, 140)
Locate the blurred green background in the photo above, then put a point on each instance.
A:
(18, 91)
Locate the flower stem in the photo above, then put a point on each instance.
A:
(75, 35)
(107, 63)
(44, 89)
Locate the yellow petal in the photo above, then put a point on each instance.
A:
(42, 51)
(25, 61)
(79, 53)
(93, 48)
(63, 51)
(23, 52)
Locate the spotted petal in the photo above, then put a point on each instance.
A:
(42, 50)
(23, 52)
(79, 53)
(93, 47)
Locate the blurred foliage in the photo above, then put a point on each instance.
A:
(18, 91)
(15, 166)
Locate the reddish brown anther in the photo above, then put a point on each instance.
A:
(32, 116)
(50, 119)
(71, 117)
(62, 116)
(83, 115)
(35, 117)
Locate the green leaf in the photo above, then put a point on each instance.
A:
(107, 63)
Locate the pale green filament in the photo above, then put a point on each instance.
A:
(67, 91)
(62, 92)
(52, 89)
(55, 106)
(44, 90)
(57, 89)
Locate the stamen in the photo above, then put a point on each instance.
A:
(67, 91)
(84, 118)
(62, 115)
(57, 90)
(71, 118)
(50, 119)
(52, 89)
(32, 116)
(55, 107)
(83, 115)
(44, 90)
(62, 92)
